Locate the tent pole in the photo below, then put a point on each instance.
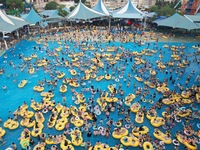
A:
(17, 34)
(28, 30)
(5, 41)
(109, 24)
(144, 27)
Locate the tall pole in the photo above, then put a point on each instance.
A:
(109, 24)
(5, 41)
(144, 26)
(17, 34)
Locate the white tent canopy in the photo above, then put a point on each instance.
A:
(128, 11)
(83, 12)
(100, 7)
(194, 18)
(177, 21)
(6, 25)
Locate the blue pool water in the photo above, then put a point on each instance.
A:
(13, 97)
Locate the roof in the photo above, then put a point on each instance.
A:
(177, 21)
(194, 18)
(48, 12)
(19, 22)
(128, 11)
(10, 23)
(32, 17)
(66, 9)
(83, 12)
(100, 7)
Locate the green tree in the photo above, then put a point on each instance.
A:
(62, 12)
(154, 9)
(51, 6)
(72, 8)
(2, 1)
(15, 4)
(14, 7)
(77, 1)
(163, 8)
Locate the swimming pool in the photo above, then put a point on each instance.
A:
(13, 97)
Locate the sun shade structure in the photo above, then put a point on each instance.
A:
(10, 23)
(100, 7)
(82, 12)
(177, 21)
(194, 18)
(66, 9)
(6, 25)
(48, 13)
(128, 11)
(33, 17)
(19, 22)
(51, 14)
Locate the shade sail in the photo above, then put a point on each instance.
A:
(66, 9)
(32, 17)
(194, 18)
(51, 14)
(6, 25)
(19, 22)
(48, 12)
(100, 7)
(128, 11)
(83, 12)
(177, 21)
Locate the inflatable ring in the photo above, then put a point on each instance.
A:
(53, 146)
(127, 126)
(194, 108)
(76, 128)
(118, 124)
(98, 112)
(176, 142)
(183, 123)
(83, 144)
(25, 143)
(69, 131)
(117, 80)
(182, 108)
(95, 128)
(198, 141)
(198, 125)
(45, 110)
(187, 132)
(151, 101)
(144, 100)
(76, 118)
(177, 120)
(120, 76)
(93, 92)
(100, 128)
(86, 128)
(165, 127)
(77, 102)
(113, 109)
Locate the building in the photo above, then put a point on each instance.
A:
(190, 7)
(40, 4)
(114, 4)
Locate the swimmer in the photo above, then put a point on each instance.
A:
(4, 87)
